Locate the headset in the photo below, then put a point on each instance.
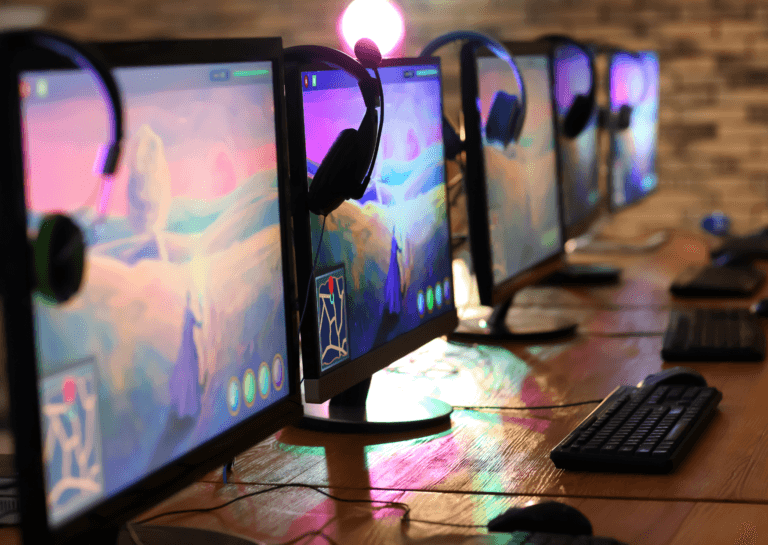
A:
(507, 111)
(58, 253)
(583, 105)
(346, 169)
(624, 115)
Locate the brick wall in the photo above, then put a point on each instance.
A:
(713, 148)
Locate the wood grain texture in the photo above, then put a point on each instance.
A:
(285, 515)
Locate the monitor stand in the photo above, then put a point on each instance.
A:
(352, 412)
(525, 327)
(584, 274)
(178, 535)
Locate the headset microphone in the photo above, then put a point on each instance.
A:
(57, 255)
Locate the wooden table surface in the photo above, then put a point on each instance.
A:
(491, 459)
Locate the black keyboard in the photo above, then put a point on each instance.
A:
(713, 281)
(742, 249)
(537, 538)
(713, 335)
(639, 430)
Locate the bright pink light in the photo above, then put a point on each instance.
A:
(378, 20)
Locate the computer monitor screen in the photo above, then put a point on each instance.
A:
(632, 167)
(178, 333)
(521, 213)
(383, 279)
(578, 156)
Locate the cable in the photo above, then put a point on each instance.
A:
(406, 509)
(312, 274)
(529, 408)
(439, 523)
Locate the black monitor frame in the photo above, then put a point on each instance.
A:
(476, 188)
(611, 52)
(583, 224)
(322, 386)
(102, 521)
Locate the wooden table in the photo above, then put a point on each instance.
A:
(491, 459)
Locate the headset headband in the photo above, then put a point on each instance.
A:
(559, 39)
(313, 54)
(85, 59)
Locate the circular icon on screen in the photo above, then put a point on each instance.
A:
(430, 299)
(447, 289)
(421, 303)
(278, 373)
(249, 387)
(233, 396)
(439, 295)
(264, 380)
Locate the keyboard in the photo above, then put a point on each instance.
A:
(742, 249)
(713, 281)
(645, 429)
(713, 335)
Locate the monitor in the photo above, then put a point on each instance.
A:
(633, 80)
(181, 347)
(579, 168)
(513, 194)
(383, 282)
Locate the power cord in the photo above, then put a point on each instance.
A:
(528, 408)
(404, 519)
(311, 276)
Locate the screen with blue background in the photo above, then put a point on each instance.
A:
(178, 332)
(633, 151)
(385, 260)
(521, 179)
(579, 156)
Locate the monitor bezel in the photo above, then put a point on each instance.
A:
(583, 224)
(161, 483)
(613, 208)
(493, 294)
(322, 386)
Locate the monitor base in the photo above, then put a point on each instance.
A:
(501, 326)
(351, 412)
(584, 274)
(178, 535)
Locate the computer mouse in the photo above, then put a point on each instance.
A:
(548, 516)
(760, 308)
(684, 376)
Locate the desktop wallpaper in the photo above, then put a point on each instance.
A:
(579, 156)
(178, 332)
(384, 266)
(521, 179)
(633, 151)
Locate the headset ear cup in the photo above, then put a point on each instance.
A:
(58, 256)
(578, 116)
(624, 117)
(504, 119)
(328, 188)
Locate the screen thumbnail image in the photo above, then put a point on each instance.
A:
(633, 151)
(178, 331)
(521, 178)
(385, 259)
(581, 190)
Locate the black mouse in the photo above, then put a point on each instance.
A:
(684, 376)
(549, 516)
(760, 308)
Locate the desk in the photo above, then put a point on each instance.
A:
(490, 460)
